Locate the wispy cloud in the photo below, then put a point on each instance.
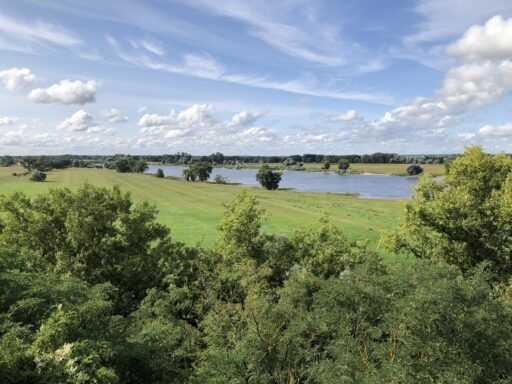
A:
(36, 32)
(305, 38)
(206, 67)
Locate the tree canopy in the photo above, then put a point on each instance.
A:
(465, 219)
(94, 290)
(268, 178)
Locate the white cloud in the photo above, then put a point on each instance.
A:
(12, 138)
(244, 119)
(6, 120)
(66, 93)
(347, 116)
(114, 115)
(37, 31)
(16, 79)
(466, 87)
(493, 40)
(443, 19)
(476, 84)
(498, 130)
(177, 124)
(101, 129)
(79, 121)
(466, 136)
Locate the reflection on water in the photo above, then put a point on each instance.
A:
(369, 186)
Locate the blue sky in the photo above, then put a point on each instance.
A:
(255, 77)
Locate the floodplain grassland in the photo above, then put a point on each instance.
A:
(378, 169)
(193, 210)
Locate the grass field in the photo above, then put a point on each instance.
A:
(192, 210)
(380, 169)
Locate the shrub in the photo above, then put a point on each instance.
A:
(326, 165)
(159, 173)
(343, 165)
(414, 169)
(219, 179)
(268, 178)
(38, 176)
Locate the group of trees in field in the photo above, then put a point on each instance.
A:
(130, 164)
(200, 171)
(94, 290)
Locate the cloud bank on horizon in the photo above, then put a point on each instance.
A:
(255, 77)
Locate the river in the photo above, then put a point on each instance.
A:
(367, 186)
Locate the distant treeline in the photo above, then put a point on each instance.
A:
(107, 161)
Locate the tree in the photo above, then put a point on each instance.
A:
(6, 161)
(324, 250)
(199, 170)
(240, 226)
(129, 164)
(123, 165)
(202, 170)
(414, 169)
(217, 157)
(189, 175)
(95, 234)
(343, 165)
(160, 173)
(463, 219)
(268, 178)
(326, 165)
(38, 176)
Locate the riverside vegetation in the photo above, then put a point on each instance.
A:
(94, 289)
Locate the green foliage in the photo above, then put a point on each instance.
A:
(240, 227)
(343, 165)
(38, 176)
(219, 179)
(202, 170)
(44, 163)
(159, 173)
(268, 178)
(465, 219)
(129, 164)
(326, 165)
(93, 290)
(324, 251)
(7, 161)
(95, 234)
(189, 175)
(199, 170)
(217, 157)
(414, 169)
(403, 324)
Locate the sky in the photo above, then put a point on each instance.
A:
(255, 77)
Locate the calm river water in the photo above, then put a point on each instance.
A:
(369, 186)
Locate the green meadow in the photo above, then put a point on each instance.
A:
(192, 210)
